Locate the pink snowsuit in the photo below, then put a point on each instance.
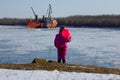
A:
(61, 44)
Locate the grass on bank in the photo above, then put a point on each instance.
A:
(41, 64)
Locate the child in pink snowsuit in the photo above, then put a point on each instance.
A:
(61, 44)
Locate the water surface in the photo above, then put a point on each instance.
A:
(89, 46)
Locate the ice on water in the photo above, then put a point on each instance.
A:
(89, 46)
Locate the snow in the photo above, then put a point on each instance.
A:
(8, 74)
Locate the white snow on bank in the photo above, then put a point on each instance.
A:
(8, 74)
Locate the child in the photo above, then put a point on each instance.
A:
(60, 43)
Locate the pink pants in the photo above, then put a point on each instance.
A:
(62, 53)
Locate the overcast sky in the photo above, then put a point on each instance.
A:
(61, 8)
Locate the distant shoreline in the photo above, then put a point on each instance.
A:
(100, 21)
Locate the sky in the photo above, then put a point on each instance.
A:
(60, 8)
(7, 74)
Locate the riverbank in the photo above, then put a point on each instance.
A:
(99, 21)
(41, 64)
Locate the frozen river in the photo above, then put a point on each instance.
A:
(89, 46)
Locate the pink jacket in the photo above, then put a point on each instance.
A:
(60, 41)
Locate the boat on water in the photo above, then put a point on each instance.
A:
(45, 22)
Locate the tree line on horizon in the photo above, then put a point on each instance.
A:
(91, 21)
(74, 21)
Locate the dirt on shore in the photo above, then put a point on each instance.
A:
(41, 64)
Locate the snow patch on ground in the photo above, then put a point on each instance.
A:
(8, 74)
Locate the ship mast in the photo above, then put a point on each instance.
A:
(49, 11)
(36, 16)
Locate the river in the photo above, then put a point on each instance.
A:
(89, 46)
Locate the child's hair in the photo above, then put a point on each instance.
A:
(61, 28)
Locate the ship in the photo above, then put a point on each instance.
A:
(45, 22)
